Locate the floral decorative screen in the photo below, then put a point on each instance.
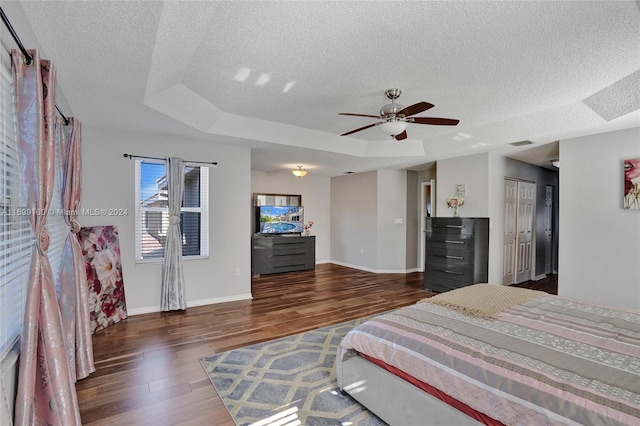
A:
(101, 251)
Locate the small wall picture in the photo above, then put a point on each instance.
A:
(632, 184)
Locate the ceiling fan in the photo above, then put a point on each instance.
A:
(396, 117)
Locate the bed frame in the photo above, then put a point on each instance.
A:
(391, 398)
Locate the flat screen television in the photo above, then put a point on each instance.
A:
(280, 219)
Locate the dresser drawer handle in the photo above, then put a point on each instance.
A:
(290, 254)
(453, 242)
(449, 226)
(449, 257)
(446, 271)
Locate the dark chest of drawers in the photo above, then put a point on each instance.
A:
(271, 255)
(457, 252)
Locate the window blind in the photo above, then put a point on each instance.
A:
(16, 237)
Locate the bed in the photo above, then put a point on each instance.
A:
(490, 354)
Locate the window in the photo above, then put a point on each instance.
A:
(16, 237)
(152, 211)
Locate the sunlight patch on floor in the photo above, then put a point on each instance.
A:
(287, 417)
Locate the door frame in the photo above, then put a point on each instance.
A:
(423, 214)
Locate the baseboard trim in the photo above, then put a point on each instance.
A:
(191, 304)
(375, 271)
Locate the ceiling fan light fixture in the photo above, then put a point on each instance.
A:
(393, 127)
(396, 117)
(299, 172)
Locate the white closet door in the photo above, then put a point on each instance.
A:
(526, 215)
(510, 235)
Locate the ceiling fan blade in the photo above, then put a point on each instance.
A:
(361, 128)
(401, 136)
(358, 115)
(435, 121)
(415, 108)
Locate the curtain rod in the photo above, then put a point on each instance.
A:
(25, 53)
(214, 163)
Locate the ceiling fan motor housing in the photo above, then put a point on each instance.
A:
(391, 110)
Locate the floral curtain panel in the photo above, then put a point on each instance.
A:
(74, 293)
(101, 252)
(173, 291)
(46, 393)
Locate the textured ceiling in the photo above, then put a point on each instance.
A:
(274, 75)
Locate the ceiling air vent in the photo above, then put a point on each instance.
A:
(521, 143)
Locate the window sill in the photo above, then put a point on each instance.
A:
(159, 261)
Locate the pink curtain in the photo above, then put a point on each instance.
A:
(46, 392)
(74, 293)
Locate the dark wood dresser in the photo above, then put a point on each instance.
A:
(271, 255)
(457, 252)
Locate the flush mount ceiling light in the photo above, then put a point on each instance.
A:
(299, 172)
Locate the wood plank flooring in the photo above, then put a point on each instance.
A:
(147, 366)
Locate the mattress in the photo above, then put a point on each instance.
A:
(540, 360)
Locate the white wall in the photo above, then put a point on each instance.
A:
(599, 257)
(470, 170)
(354, 220)
(392, 207)
(364, 232)
(316, 199)
(109, 182)
(495, 198)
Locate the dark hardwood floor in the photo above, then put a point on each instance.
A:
(147, 366)
(548, 284)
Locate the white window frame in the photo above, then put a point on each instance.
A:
(17, 245)
(203, 210)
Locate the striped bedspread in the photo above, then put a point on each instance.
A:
(550, 360)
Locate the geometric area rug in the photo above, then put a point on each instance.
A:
(287, 381)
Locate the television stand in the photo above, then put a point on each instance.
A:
(282, 253)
